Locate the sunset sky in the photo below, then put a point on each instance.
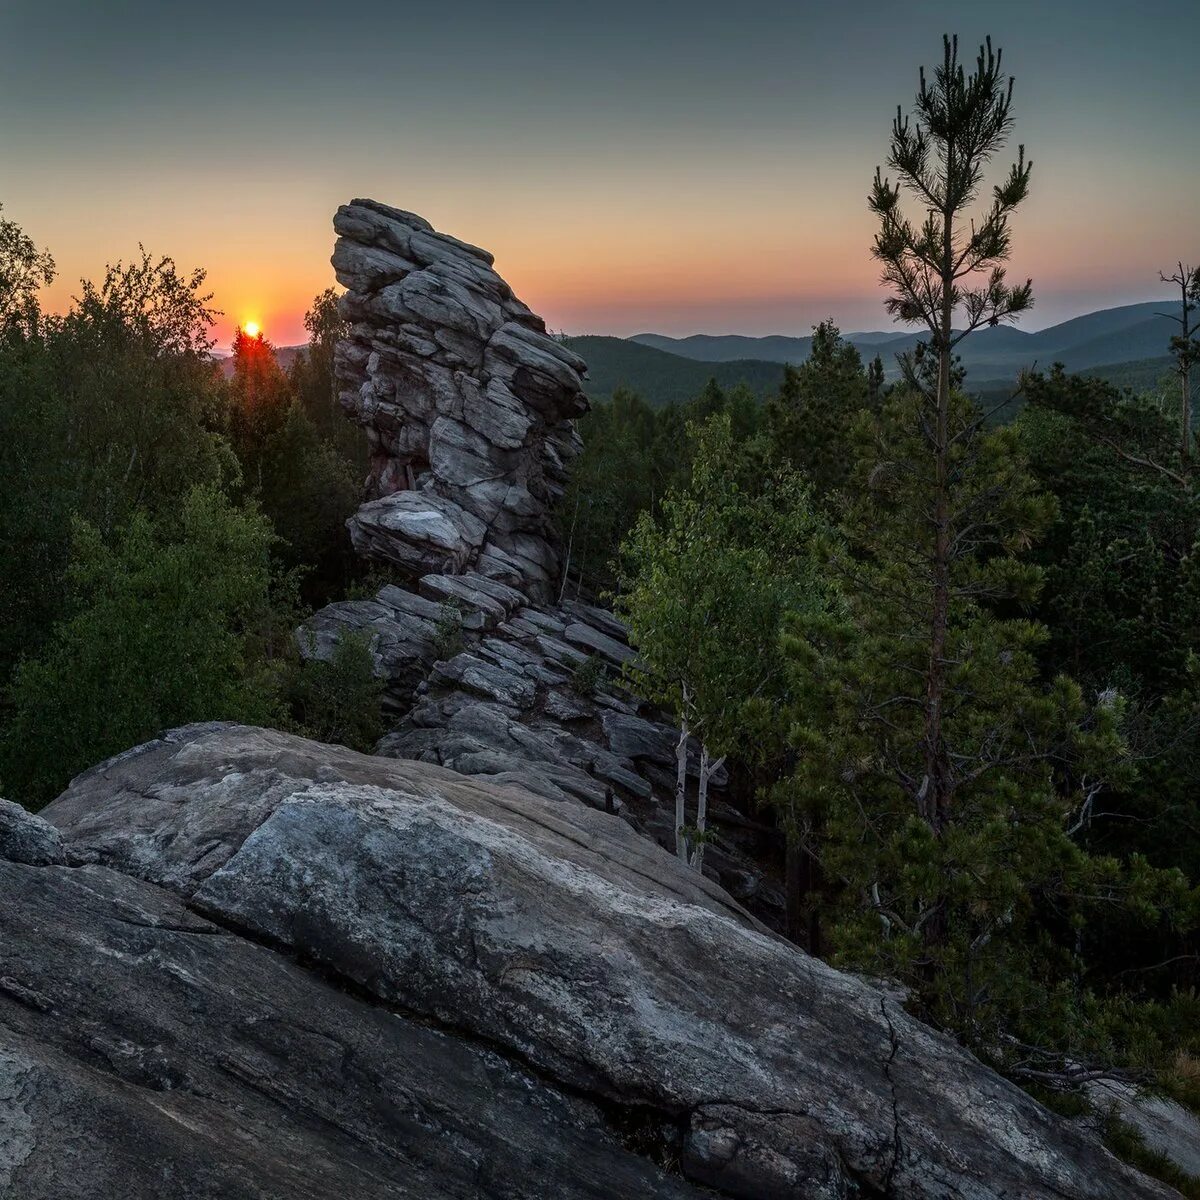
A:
(676, 167)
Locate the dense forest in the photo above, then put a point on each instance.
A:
(162, 528)
(955, 658)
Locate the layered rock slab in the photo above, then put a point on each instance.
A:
(466, 400)
(508, 707)
(557, 935)
(146, 1052)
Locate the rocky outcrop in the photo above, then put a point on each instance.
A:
(146, 1052)
(505, 995)
(468, 404)
(1165, 1127)
(25, 838)
(466, 401)
(533, 696)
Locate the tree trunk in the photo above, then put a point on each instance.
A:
(707, 768)
(933, 800)
(681, 849)
(1185, 381)
(566, 572)
(803, 921)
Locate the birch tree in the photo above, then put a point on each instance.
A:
(704, 588)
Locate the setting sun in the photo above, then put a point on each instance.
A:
(252, 328)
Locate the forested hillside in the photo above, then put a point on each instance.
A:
(1111, 335)
(671, 371)
(951, 647)
(661, 378)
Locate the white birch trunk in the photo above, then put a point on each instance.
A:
(708, 767)
(681, 848)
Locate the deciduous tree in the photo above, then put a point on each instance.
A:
(166, 625)
(704, 588)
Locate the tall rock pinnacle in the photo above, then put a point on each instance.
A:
(466, 400)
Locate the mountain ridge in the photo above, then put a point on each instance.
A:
(1113, 327)
(1128, 345)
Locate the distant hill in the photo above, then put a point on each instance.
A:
(1131, 333)
(1141, 376)
(660, 378)
(1124, 345)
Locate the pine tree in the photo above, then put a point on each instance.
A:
(992, 916)
(961, 122)
(808, 421)
(944, 788)
(875, 382)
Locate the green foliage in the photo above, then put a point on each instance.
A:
(1121, 589)
(109, 410)
(307, 488)
(338, 699)
(314, 385)
(808, 422)
(704, 587)
(613, 480)
(1127, 1143)
(447, 633)
(961, 120)
(662, 378)
(589, 676)
(1121, 605)
(979, 904)
(23, 269)
(632, 455)
(304, 482)
(167, 624)
(128, 464)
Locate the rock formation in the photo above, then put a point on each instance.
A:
(148, 1052)
(467, 403)
(281, 969)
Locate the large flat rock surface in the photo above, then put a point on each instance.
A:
(548, 940)
(148, 1053)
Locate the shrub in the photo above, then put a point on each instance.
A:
(448, 633)
(339, 699)
(589, 676)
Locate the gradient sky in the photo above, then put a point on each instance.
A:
(677, 167)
